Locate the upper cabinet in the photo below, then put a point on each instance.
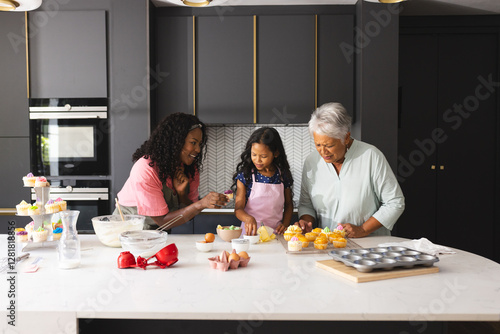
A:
(67, 54)
(257, 67)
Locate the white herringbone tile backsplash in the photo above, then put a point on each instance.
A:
(226, 143)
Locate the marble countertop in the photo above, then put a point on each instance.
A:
(274, 286)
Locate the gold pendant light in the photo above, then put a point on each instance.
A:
(8, 5)
(196, 3)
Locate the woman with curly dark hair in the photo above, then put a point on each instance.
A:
(263, 183)
(164, 180)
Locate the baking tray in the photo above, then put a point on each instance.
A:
(311, 250)
(368, 259)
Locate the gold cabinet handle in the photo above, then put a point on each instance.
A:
(433, 166)
(441, 167)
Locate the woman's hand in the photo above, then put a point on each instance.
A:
(180, 181)
(281, 228)
(353, 231)
(251, 226)
(305, 225)
(213, 200)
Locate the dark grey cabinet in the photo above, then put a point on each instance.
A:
(224, 69)
(448, 137)
(67, 54)
(13, 95)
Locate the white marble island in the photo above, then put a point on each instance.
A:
(274, 286)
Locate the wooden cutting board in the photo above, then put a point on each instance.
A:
(352, 274)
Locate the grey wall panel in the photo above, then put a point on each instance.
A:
(335, 62)
(68, 54)
(224, 69)
(174, 56)
(15, 164)
(13, 95)
(285, 75)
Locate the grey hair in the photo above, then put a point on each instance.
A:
(332, 120)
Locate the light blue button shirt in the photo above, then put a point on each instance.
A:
(365, 187)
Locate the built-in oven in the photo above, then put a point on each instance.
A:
(90, 197)
(69, 137)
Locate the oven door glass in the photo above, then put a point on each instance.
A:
(69, 147)
(88, 210)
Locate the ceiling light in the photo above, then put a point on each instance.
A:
(19, 5)
(196, 3)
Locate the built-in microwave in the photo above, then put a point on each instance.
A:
(69, 136)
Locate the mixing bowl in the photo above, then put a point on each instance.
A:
(143, 243)
(228, 235)
(108, 228)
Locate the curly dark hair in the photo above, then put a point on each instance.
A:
(271, 138)
(166, 142)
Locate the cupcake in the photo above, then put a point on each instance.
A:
(311, 236)
(294, 244)
(51, 207)
(291, 231)
(320, 243)
(40, 234)
(29, 180)
(56, 234)
(41, 181)
(229, 194)
(327, 232)
(22, 236)
(57, 224)
(339, 242)
(33, 210)
(340, 230)
(62, 204)
(19, 229)
(304, 240)
(317, 230)
(22, 208)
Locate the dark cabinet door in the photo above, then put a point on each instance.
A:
(174, 55)
(466, 161)
(67, 54)
(13, 95)
(447, 139)
(286, 71)
(224, 69)
(14, 166)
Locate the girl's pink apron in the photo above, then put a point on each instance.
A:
(265, 203)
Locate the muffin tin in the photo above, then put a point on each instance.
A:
(387, 258)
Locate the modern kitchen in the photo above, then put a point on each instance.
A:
(419, 79)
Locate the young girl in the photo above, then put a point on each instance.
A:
(263, 183)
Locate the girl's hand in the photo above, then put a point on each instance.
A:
(251, 226)
(213, 200)
(180, 181)
(281, 228)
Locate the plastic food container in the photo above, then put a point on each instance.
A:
(108, 228)
(143, 243)
(253, 238)
(240, 245)
(204, 246)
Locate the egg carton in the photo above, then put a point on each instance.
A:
(387, 258)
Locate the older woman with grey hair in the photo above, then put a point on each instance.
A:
(346, 181)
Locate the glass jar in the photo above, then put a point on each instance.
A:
(69, 245)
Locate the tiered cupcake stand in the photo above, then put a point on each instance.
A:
(43, 219)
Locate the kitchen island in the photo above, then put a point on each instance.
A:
(274, 287)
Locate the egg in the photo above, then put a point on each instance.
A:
(209, 237)
(243, 255)
(234, 257)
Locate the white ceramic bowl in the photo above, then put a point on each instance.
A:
(108, 228)
(252, 238)
(144, 243)
(204, 246)
(240, 245)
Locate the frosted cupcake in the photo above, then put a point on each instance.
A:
(41, 181)
(311, 236)
(304, 240)
(29, 180)
(51, 207)
(62, 204)
(56, 234)
(229, 194)
(340, 230)
(29, 228)
(291, 231)
(294, 245)
(22, 208)
(339, 242)
(321, 243)
(33, 210)
(40, 235)
(22, 236)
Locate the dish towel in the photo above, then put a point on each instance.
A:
(421, 245)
